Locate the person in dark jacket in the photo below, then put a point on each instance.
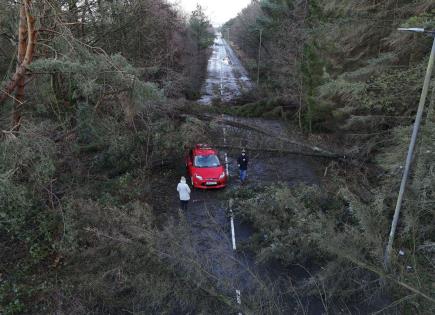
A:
(242, 162)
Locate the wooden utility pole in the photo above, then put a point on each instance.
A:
(424, 92)
(259, 58)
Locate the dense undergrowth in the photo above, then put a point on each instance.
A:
(341, 68)
(339, 62)
(79, 231)
(77, 219)
(340, 240)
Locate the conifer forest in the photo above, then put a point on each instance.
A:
(303, 132)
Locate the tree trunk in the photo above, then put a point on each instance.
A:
(27, 42)
(22, 46)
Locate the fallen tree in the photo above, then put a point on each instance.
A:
(286, 151)
(310, 149)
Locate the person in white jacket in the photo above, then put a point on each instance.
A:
(184, 191)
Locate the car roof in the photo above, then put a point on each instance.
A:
(203, 149)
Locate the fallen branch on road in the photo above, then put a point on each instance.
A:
(295, 152)
(315, 149)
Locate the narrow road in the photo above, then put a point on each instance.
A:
(226, 77)
(215, 235)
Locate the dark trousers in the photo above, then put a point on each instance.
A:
(183, 204)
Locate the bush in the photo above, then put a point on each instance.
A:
(28, 228)
(288, 221)
(311, 227)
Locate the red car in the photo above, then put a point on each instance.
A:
(205, 169)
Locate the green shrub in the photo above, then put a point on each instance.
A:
(289, 223)
(28, 227)
(308, 226)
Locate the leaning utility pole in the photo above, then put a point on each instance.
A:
(417, 123)
(259, 58)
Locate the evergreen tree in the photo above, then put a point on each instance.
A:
(201, 28)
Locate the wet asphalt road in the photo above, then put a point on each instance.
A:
(226, 76)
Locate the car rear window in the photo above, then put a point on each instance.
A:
(207, 161)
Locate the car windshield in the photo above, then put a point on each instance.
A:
(206, 161)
